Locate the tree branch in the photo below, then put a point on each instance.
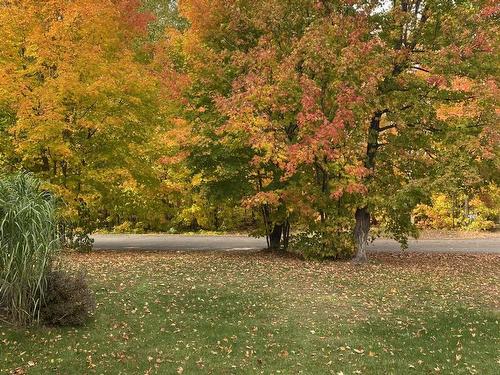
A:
(420, 68)
(392, 126)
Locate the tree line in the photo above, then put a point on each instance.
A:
(307, 121)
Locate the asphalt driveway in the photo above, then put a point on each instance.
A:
(176, 242)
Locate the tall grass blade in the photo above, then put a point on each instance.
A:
(28, 242)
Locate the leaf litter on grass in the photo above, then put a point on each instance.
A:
(225, 313)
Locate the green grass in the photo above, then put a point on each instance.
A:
(220, 313)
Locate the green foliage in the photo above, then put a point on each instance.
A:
(166, 16)
(438, 215)
(129, 227)
(76, 238)
(321, 245)
(89, 123)
(239, 114)
(68, 300)
(397, 210)
(28, 243)
(75, 231)
(324, 108)
(480, 223)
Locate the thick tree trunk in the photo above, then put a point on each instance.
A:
(361, 230)
(362, 215)
(275, 236)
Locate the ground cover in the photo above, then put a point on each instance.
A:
(246, 313)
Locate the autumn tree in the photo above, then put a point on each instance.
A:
(338, 103)
(218, 170)
(430, 45)
(78, 106)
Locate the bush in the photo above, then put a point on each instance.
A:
(129, 227)
(481, 212)
(75, 231)
(76, 239)
(28, 242)
(481, 224)
(68, 299)
(322, 245)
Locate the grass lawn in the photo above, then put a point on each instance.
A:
(249, 313)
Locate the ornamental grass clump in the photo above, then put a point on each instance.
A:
(28, 243)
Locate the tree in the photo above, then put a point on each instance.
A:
(78, 106)
(215, 170)
(337, 103)
(431, 45)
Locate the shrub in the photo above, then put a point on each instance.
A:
(481, 224)
(481, 212)
(74, 230)
(28, 242)
(130, 227)
(68, 299)
(76, 239)
(322, 245)
(125, 227)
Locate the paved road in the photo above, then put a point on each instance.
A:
(198, 242)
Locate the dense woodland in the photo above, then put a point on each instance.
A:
(313, 122)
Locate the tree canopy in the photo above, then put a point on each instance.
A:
(313, 117)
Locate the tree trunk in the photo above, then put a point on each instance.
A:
(361, 231)
(275, 237)
(194, 226)
(286, 234)
(216, 219)
(362, 215)
(453, 212)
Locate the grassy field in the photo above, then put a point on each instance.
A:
(235, 313)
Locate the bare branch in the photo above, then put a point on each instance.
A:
(392, 126)
(416, 67)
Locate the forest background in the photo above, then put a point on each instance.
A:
(314, 123)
